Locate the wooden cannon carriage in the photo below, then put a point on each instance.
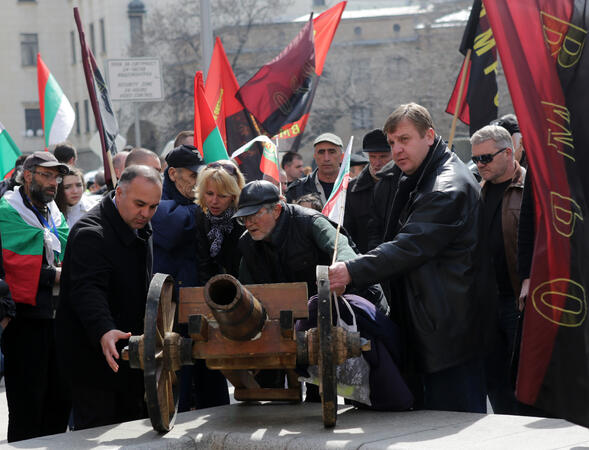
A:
(238, 330)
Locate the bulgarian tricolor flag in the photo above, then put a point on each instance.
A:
(9, 152)
(207, 137)
(269, 161)
(57, 115)
(336, 203)
(23, 241)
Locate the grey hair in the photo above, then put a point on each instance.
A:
(134, 171)
(499, 135)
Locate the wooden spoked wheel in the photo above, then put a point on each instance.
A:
(161, 382)
(327, 374)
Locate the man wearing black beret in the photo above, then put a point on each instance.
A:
(361, 188)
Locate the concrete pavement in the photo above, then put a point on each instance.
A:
(279, 426)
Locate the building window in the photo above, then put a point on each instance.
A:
(318, 2)
(361, 117)
(77, 109)
(102, 37)
(358, 31)
(92, 39)
(73, 44)
(27, 1)
(29, 47)
(87, 116)
(33, 125)
(396, 28)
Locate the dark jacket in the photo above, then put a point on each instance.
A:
(359, 204)
(304, 186)
(432, 254)
(227, 260)
(292, 254)
(105, 278)
(510, 213)
(174, 236)
(382, 201)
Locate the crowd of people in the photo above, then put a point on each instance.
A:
(431, 252)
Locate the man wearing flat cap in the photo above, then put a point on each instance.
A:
(361, 189)
(328, 154)
(285, 242)
(34, 234)
(357, 162)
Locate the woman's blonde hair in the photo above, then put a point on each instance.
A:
(225, 183)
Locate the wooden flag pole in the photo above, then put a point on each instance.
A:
(459, 100)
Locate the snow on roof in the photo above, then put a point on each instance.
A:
(377, 12)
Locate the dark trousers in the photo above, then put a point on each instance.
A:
(201, 387)
(458, 388)
(38, 399)
(95, 407)
(499, 360)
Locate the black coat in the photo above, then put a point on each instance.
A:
(359, 204)
(227, 260)
(432, 253)
(382, 201)
(303, 186)
(104, 282)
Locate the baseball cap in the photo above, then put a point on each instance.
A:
(254, 195)
(509, 122)
(45, 159)
(186, 156)
(328, 137)
(375, 141)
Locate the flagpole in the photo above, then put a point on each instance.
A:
(109, 174)
(459, 100)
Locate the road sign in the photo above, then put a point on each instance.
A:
(135, 79)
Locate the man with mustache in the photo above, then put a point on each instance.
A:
(34, 233)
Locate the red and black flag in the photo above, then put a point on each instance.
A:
(277, 93)
(324, 28)
(541, 45)
(106, 122)
(478, 102)
(232, 119)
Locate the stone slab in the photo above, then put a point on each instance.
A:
(299, 427)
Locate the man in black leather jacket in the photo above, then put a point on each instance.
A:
(430, 257)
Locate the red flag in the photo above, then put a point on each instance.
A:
(275, 94)
(478, 105)
(231, 118)
(540, 43)
(324, 27)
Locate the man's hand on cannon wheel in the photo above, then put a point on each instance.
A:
(339, 277)
(107, 342)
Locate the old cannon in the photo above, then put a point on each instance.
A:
(238, 330)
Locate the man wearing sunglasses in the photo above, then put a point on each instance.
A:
(429, 257)
(34, 234)
(502, 191)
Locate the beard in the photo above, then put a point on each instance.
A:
(41, 194)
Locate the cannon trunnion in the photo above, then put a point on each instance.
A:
(239, 330)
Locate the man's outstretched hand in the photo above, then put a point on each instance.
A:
(109, 349)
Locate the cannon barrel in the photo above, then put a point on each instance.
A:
(239, 314)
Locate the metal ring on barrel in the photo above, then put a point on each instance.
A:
(327, 366)
(161, 383)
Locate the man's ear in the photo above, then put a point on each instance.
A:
(27, 175)
(172, 173)
(276, 211)
(430, 134)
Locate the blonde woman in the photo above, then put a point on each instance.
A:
(217, 193)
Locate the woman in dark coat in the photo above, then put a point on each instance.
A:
(217, 193)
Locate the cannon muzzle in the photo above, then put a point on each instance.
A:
(239, 314)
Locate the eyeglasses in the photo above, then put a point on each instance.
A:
(228, 167)
(50, 176)
(252, 217)
(487, 157)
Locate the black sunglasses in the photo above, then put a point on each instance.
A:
(487, 157)
(228, 167)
